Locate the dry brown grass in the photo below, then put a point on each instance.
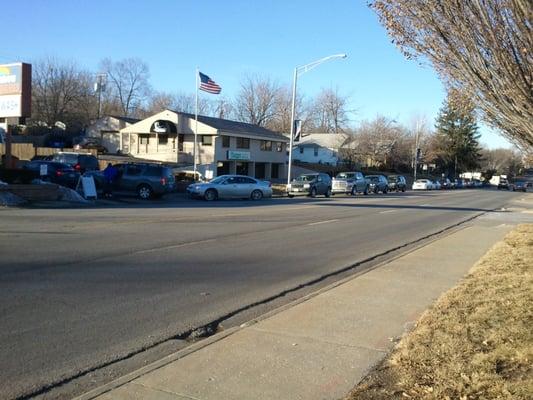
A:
(476, 342)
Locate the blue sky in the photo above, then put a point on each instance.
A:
(229, 39)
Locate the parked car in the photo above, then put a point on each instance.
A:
(504, 184)
(349, 183)
(91, 143)
(520, 185)
(397, 183)
(310, 185)
(231, 187)
(377, 183)
(436, 185)
(81, 162)
(59, 173)
(186, 177)
(445, 183)
(459, 184)
(422, 184)
(144, 179)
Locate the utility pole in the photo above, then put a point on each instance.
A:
(417, 149)
(99, 87)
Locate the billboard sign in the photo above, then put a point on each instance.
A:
(15, 90)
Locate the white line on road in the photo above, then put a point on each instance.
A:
(322, 222)
(387, 211)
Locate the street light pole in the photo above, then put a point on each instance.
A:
(302, 69)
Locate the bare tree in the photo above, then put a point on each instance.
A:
(501, 161)
(380, 142)
(256, 101)
(128, 83)
(483, 47)
(330, 111)
(62, 92)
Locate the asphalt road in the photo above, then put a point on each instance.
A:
(80, 288)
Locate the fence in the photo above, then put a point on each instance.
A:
(26, 151)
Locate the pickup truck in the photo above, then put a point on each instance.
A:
(349, 183)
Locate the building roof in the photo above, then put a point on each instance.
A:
(226, 125)
(327, 140)
(125, 119)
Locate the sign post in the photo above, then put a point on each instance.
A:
(15, 97)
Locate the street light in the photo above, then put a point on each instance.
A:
(302, 70)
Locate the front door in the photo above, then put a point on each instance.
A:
(229, 189)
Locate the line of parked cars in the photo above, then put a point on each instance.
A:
(148, 180)
(351, 183)
(445, 183)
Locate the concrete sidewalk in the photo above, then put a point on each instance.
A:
(319, 348)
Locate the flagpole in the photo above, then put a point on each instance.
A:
(196, 122)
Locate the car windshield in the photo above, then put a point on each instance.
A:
(66, 158)
(306, 178)
(392, 178)
(373, 178)
(344, 175)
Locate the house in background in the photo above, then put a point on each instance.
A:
(106, 131)
(224, 146)
(319, 148)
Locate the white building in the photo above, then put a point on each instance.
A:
(106, 131)
(319, 148)
(224, 146)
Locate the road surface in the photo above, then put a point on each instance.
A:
(80, 288)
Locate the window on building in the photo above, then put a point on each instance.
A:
(275, 171)
(266, 145)
(181, 139)
(243, 143)
(163, 139)
(144, 139)
(226, 141)
(316, 151)
(207, 140)
(301, 150)
(279, 147)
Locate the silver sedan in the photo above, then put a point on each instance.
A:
(231, 187)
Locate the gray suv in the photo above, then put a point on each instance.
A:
(310, 185)
(145, 180)
(349, 183)
(377, 183)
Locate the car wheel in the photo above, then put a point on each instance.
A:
(210, 195)
(403, 190)
(313, 192)
(385, 191)
(328, 192)
(353, 192)
(376, 191)
(145, 192)
(366, 191)
(291, 196)
(256, 195)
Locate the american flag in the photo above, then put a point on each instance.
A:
(208, 85)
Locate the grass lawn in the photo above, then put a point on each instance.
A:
(475, 342)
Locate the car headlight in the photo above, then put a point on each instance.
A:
(307, 186)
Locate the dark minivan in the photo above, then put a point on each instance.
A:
(310, 185)
(81, 162)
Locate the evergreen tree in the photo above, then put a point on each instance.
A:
(458, 136)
